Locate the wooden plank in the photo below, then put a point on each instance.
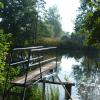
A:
(43, 49)
(58, 83)
(35, 74)
(28, 48)
(24, 61)
(44, 61)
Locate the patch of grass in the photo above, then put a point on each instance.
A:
(35, 93)
(53, 93)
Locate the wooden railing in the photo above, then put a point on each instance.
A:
(32, 62)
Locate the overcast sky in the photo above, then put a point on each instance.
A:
(67, 10)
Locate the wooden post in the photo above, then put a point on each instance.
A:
(43, 90)
(68, 87)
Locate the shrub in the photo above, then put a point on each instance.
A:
(48, 41)
(4, 47)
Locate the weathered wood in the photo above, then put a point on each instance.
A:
(30, 77)
(24, 61)
(44, 61)
(58, 83)
(35, 47)
(68, 87)
(35, 74)
(43, 49)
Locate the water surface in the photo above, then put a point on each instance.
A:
(85, 73)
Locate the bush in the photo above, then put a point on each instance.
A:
(48, 41)
(4, 47)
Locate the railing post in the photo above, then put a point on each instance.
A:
(26, 72)
(68, 87)
(56, 59)
(40, 66)
(43, 89)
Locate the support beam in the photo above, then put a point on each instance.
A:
(58, 83)
(68, 87)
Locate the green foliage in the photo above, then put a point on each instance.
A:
(34, 93)
(19, 17)
(53, 18)
(44, 29)
(1, 5)
(48, 42)
(4, 47)
(92, 24)
(18, 21)
(66, 77)
(72, 42)
(54, 93)
(50, 26)
(24, 19)
(88, 22)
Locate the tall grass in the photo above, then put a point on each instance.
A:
(54, 93)
(35, 93)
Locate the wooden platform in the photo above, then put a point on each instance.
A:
(35, 74)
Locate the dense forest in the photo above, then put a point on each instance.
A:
(27, 23)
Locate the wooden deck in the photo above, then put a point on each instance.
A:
(35, 74)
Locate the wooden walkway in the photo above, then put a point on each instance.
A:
(36, 65)
(35, 74)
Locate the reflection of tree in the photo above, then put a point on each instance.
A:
(88, 80)
(77, 54)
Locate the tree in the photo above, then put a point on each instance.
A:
(53, 18)
(19, 17)
(92, 25)
(44, 29)
(4, 47)
(88, 22)
(49, 25)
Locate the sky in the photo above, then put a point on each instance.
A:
(67, 10)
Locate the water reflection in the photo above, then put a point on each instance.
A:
(67, 71)
(85, 72)
(87, 79)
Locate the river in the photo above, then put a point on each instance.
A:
(85, 73)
